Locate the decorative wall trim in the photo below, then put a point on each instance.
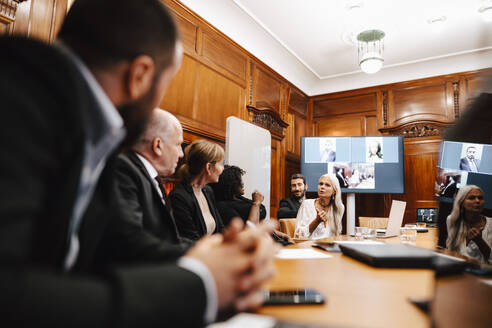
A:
(417, 129)
(8, 10)
(269, 119)
(251, 83)
(385, 108)
(456, 99)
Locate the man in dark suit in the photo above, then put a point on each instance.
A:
(155, 154)
(470, 163)
(289, 206)
(65, 111)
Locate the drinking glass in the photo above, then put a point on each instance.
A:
(359, 231)
(410, 234)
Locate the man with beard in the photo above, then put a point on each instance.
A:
(470, 162)
(289, 206)
(66, 109)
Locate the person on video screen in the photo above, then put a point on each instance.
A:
(470, 162)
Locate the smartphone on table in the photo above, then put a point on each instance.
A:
(293, 296)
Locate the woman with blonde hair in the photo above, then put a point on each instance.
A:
(470, 232)
(192, 200)
(321, 217)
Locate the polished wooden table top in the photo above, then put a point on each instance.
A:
(357, 295)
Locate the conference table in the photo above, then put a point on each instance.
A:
(357, 295)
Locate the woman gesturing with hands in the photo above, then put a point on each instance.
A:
(321, 217)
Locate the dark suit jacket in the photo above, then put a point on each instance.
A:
(449, 190)
(148, 228)
(240, 207)
(44, 101)
(288, 208)
(465, 166)
(187, 212)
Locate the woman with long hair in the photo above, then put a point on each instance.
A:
(321, 217)
(192, 200)
(469, 231)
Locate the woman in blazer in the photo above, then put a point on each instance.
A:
(192, 201)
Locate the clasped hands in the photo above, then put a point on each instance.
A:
(240, 260)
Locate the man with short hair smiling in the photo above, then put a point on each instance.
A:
(289, 206)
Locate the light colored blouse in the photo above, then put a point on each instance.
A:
(207, 215)
(472, 249)
(305, 215)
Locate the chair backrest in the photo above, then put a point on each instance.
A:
(288, 226)
(373, 222)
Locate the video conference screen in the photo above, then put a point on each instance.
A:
(361, 164)
(464, 163)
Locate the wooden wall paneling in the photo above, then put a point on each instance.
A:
(370, 125)
(298, 102)
(290, 134)
(425, 102)
(301, 130)
(344, 104)
(341, 126)
(22, 19)
(221, 53)
(60, 9)
(267, 90)
(274, 178)
(189, 32)
(217, 98)
(41, 19)
(180, 96)
(421, 155)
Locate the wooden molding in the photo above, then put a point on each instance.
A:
(385, 108)
(417, 129)
(8, 10)
(456, 99)
(269, 119)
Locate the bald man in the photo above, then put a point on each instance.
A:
(148, 222)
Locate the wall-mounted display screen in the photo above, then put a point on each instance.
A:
(361, 164)
(464, 163)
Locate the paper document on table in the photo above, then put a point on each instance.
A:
(357, 242)
(301, 254)
(246, 320)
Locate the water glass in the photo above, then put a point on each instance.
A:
(421, 225)
(370, 233)
(408, 234)
(359, 232)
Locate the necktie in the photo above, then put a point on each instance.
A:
(161, 188)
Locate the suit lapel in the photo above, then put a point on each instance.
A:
(167, 211)
(198, 212)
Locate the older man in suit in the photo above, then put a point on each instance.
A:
(66, 110)
(155, 154)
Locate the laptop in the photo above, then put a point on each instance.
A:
(404, 256)
(390, 255)
(428, 216)
(395, 219)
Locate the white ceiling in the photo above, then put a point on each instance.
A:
(308, 41)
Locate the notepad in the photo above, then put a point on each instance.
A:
(291, 254)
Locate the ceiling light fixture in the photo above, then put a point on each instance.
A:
(486, 11)
(370, 48)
